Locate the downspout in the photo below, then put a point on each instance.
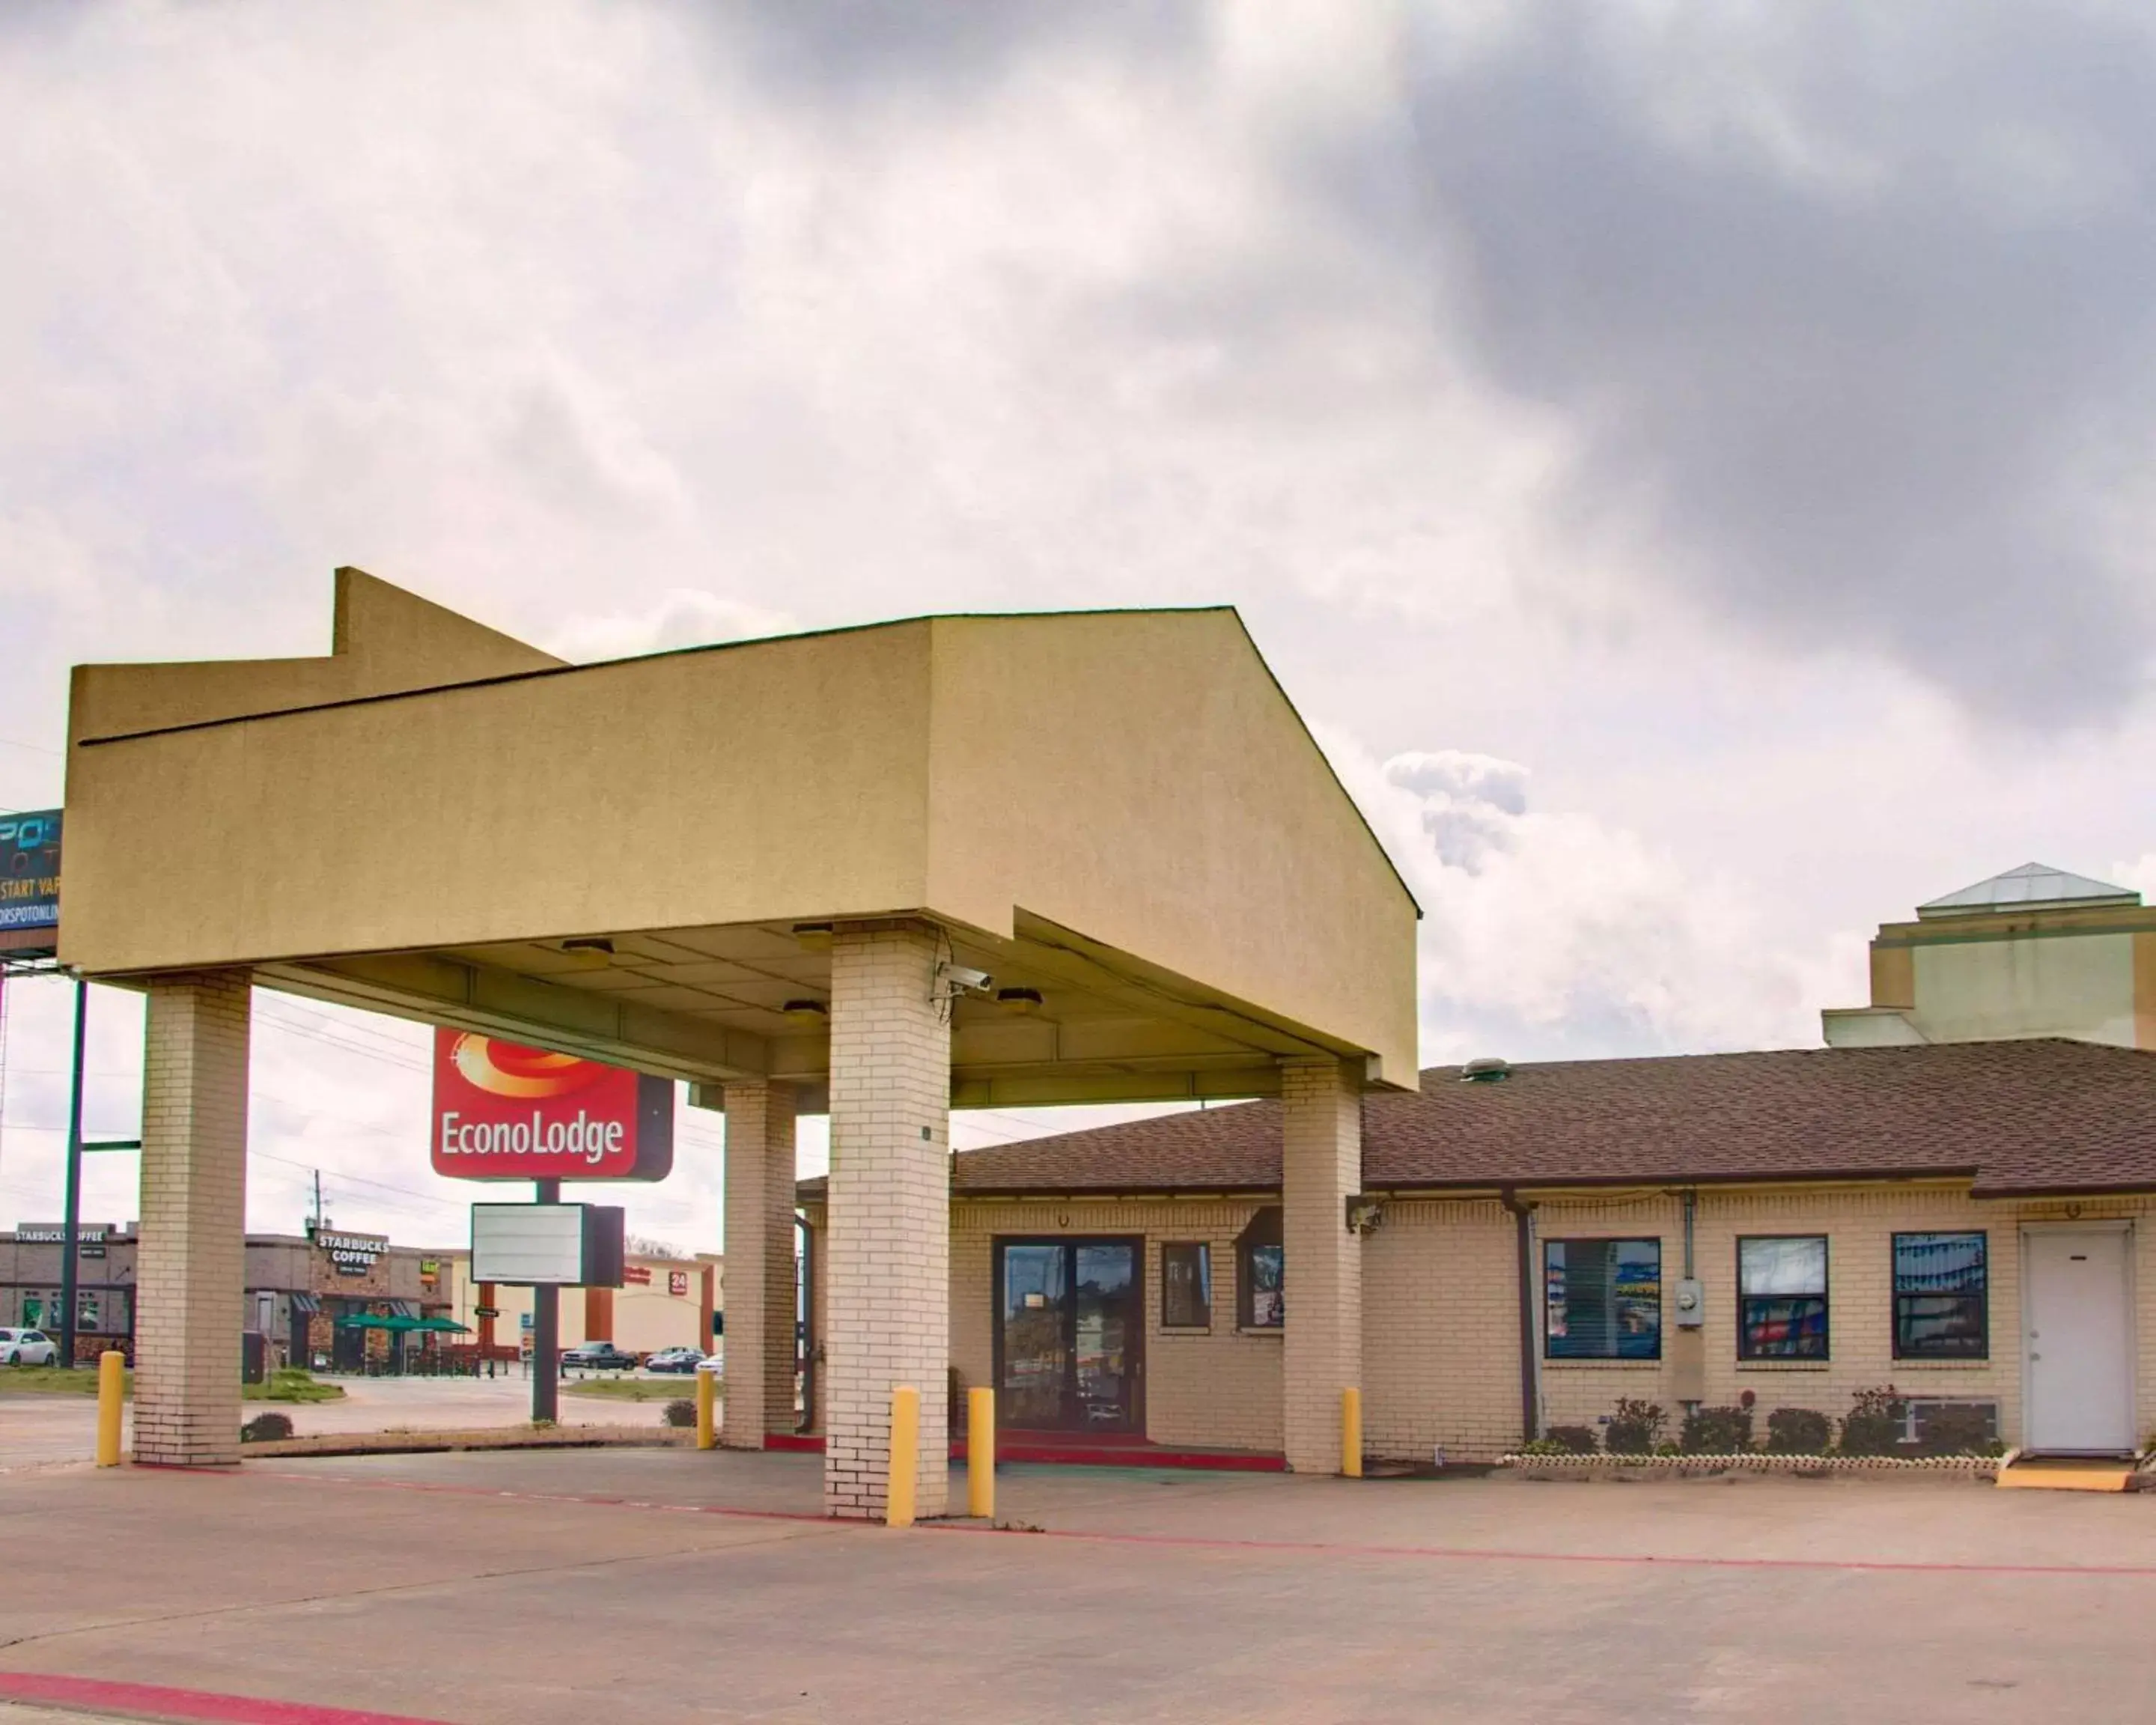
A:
(1524, 1224)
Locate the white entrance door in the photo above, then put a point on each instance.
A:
(2078, 1380)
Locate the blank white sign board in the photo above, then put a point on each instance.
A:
(528, 1244)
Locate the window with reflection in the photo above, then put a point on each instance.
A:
(1781, 1296)
(1602, 1299)
(1942, 1296)
(1186, 1285)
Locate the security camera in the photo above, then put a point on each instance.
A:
(959, 979)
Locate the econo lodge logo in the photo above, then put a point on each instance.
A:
(506, 1111)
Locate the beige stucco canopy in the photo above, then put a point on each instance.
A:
(642, 861)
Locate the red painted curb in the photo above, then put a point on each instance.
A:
(153, 1701)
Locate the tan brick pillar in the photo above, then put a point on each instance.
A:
(1321, 1271)
(889, 1262)
(191, 1268)
(759, 1285)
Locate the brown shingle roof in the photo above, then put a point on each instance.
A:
(2033, 1116)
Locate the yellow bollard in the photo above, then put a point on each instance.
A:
(981, 1453)
(112, 1392)
(1351, 1433)
(905, 1456)
(707, 1424)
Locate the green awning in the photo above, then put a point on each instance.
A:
(447, 1325)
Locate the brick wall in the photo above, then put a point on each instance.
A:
(759, 1209)
(191, 1264)
(890, 1214)
(1441, 1354)
(1322, 1166)
(1441, 1330)
(1859, 1223)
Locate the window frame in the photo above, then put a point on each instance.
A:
(1982, 1354)
(1204, 1248)
(1264, 1232)
(1661, 1324)
(1745, 1352)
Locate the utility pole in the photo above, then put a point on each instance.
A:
(71, 1221)
(317, 1228)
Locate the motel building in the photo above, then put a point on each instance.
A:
(1028, 860)
(1968, 1223)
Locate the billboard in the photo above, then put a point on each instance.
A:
(505, 1112)
(30, 871)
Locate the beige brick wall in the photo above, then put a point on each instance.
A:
(759, 1304)
(1858, 1222)
(1441, 1354)
(1441, 1330)
(890, 1214)
(1321, 1165)
(190, 1266)
(1219, 1386)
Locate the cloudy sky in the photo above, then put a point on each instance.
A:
(1690, 465)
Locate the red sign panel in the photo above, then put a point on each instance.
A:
(504, 1111)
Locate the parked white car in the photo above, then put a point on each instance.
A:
(27, 1347)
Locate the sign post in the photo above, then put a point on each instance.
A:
(547, 1333)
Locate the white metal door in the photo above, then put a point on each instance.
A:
(2078, 1379)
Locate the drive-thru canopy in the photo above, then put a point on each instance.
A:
(762, 867)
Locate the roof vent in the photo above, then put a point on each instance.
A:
(1489, 1069)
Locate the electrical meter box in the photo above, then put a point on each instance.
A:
(1692, 1303)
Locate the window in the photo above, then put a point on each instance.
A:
(1781, 1297)
(1261, 1270)
(1942, 1310)
(1602, 1299)
(1186, 1286)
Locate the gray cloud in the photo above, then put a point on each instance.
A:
(1847, 307)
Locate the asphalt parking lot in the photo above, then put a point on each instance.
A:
(666, 1585)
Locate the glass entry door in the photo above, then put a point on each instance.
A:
(1069, 1335)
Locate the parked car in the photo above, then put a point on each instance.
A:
(598, 1356)
(27, 1347)
(674, 1359)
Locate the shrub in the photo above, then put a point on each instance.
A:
(1716, 1431)
(1573, 1440)
(1874, 1424)
(680, 1413)
(266, 1428)
(1633, 1428)
(1957, 1429)
(1799, 1431)
(1543, 1446)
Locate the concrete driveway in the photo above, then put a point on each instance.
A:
(665, 1585)
(44, 1427)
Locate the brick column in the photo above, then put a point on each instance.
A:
(599, 1314)
(1322, 1274)
(191, 1268)
(889, 1262)
(759, 1285)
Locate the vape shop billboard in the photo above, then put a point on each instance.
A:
(504, 1111)
(29, 880)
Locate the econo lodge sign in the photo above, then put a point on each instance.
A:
(504, 1111)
